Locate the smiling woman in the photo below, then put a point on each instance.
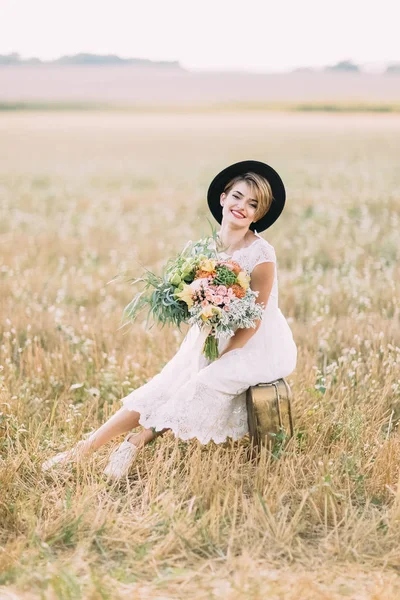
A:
(194, 396)
(260, 190)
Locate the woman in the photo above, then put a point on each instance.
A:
(191, 396)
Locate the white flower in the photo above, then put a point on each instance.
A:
(197, 283)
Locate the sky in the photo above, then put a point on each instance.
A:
(251, 35)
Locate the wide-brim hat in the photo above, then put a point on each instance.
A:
(278, 190)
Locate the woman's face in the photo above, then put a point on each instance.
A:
(238, 206)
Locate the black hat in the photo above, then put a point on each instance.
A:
(278, 190)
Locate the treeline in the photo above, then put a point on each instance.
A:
(15, 59)
(350, 67)
(113, 60)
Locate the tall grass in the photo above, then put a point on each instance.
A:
(84, 197)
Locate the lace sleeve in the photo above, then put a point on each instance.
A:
(263, 253)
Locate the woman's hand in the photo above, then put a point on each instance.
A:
(261, 281)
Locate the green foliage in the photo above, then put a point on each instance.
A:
(68, 534)
(158, 297)
(159, 293)
(224, 276)
(280, 439)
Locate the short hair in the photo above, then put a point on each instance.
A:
(260, 188)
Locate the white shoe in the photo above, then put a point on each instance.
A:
(121, 459)
(64, 457)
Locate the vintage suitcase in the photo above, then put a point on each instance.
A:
(269, 412)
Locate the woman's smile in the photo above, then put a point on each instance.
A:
(237, 214)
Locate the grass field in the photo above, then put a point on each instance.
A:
(85, 196)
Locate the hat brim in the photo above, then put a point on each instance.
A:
(278, 190)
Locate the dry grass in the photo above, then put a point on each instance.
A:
(83, 197)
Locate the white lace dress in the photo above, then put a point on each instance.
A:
(198, 399)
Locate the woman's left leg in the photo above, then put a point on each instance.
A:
(145, 436)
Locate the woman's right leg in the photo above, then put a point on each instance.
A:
(121, 422)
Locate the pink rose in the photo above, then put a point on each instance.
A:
(227, 308)
(218, 299)
(204, 303)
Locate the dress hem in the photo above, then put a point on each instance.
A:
(203, 441)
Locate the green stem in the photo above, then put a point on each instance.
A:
(210, 349)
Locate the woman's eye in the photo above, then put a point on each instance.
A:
(237, 198)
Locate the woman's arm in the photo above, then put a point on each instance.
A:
(262, 278)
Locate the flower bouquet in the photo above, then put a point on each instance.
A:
(198, 288)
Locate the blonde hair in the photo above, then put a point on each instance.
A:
(260, 188)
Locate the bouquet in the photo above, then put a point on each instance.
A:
(198, 288)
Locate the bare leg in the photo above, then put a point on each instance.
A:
(121, 422)
(144, 437)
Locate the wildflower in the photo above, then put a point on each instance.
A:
(209, 312)
(243, 280)
(232, 265)
(238, 290)
(208, 265)
(221, 289)
(197, 284)
(186, 295)
(200, 273)
(206, 313)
